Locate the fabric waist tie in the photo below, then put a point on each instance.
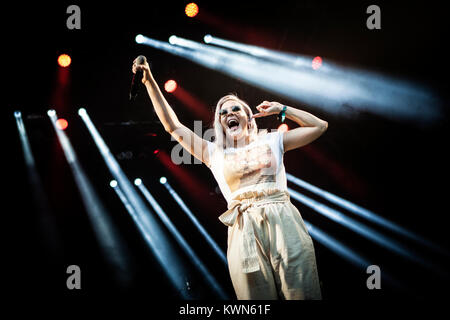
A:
(241, 207)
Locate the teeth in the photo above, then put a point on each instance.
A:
(233, 121)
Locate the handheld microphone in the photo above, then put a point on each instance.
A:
(137, 78)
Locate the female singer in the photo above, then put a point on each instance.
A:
(270, 253)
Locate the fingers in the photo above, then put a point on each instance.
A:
(259, 115)
(263, 105)
(262, 114)
(265, 111)
(137, 67)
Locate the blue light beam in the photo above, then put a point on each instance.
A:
(154, 235)
(345, 252)
(364, 213)
(47, 223)
(363, 230)
(104, 229)
(180, 239)
(143, 230)
(194, 220)
(409, 99)
(334, 94)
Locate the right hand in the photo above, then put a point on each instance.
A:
(145, 70)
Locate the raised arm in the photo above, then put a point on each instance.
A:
(185, 136)
(310, 129)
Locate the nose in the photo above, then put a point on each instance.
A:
(232, 114)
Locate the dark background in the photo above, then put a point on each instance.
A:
(396, 169)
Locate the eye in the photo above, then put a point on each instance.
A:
(223, 112)
(235, 108)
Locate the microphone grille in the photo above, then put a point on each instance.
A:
(141, 60)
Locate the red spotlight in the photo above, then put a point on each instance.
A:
(170, 86)
(62, 124)
(316, 63)
(64, 60)
(156, 151)
(283, 128)
(191, 10)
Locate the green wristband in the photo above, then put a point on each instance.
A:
(282, 115)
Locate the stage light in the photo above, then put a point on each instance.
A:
(194, 104)
(29, 158)
(191, 10)
(81, 111)
(292, 76)
(207, 38)
(336, 246)
(64, 60)
(365, 231)
(173, 39)
(139, 38)
(151, 230)
(170, 86)
(49, 235)
(156, 151)
(137, 182)
(105, 230)
(51, 112)
(362, 212)
(283, 128)
(61, 124)
(162, 180)
(345, 252)
(194, 220)
(316, 63)
(182, 241)
(113, 183)
(362, 229)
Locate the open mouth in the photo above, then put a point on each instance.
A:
(233, 124)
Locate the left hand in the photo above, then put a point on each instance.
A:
(268, 108)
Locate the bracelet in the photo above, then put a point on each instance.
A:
(282, 115)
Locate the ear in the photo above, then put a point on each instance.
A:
(251, 124)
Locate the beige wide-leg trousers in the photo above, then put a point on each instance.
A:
(270, 253)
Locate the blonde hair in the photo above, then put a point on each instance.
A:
(217, 125)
